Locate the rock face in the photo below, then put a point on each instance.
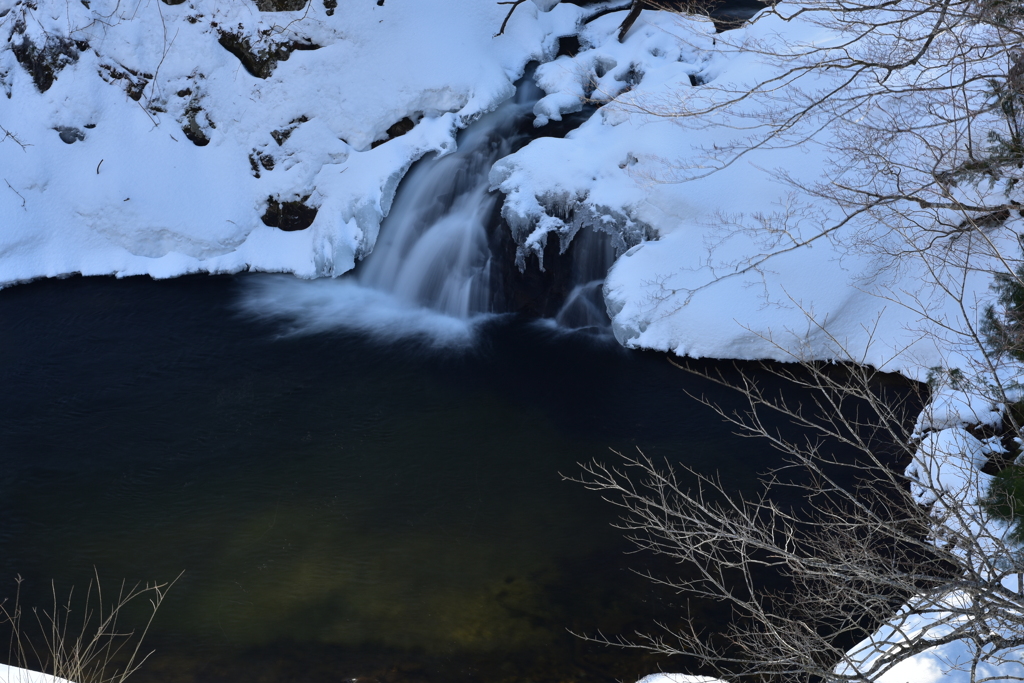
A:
(544, 291)
(531, 291)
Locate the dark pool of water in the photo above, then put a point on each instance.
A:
(343, 508)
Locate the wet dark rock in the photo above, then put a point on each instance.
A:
(570, 122)
(330, 6)
(280, 5)
(290, 215)
(44, 62)
(260, 61)
(396, 130)
(172, 2)
(69, 134)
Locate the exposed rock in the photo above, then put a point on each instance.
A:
(260, 61)
(69, 134)
(44, 63)
(290, 215)
(330, 6)
(172, 2)
(534, 290)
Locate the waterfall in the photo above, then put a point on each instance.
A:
(433, 246)
(430, 272)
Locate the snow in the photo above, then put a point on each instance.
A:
(952, 407)
(135, 196)
(11, 674)
(728, 264)
(950, 663)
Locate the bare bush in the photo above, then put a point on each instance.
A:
(899, 562)
(83, 641)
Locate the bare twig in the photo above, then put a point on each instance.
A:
(17, 193)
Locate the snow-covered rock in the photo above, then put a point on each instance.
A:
(164, 130)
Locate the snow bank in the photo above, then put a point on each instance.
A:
(730, 263)
(11, 674)
(164, 130)
(950, 663)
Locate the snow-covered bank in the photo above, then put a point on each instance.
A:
(12, 674)
(166, 129)
(727, 264)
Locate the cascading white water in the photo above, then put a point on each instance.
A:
(433, 246)
(429, 272)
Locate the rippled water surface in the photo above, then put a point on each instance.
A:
(342, 506)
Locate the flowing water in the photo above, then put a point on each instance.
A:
(433, 249)
(440, 262)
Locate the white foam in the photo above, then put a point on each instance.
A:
(332, 305)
